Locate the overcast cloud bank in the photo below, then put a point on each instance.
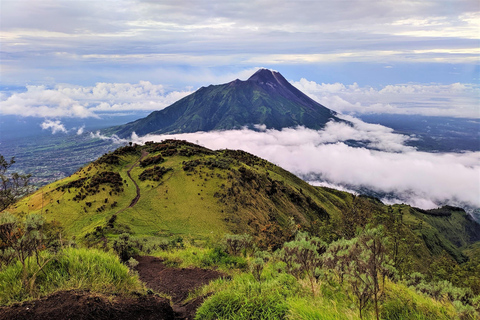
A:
(128, 39)
(422, 179)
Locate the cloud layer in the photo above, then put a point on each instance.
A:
(90, 40)
(422, 179)
(81, 102)
(452, 100)
(66, 100)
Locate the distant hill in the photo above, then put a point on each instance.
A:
(266, 98)
(176, 188)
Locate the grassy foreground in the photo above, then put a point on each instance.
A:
(80, 269)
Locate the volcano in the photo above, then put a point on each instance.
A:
(266, 98)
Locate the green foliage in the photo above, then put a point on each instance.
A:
(83, 269)
(360, 262)
(245, 298)
(21, 240)
(257, 264)
(125, 247)
(303, 257)
(237, 243)
(402, 303)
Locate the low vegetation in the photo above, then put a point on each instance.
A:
(289, 250)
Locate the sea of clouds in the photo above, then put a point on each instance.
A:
(383, 164)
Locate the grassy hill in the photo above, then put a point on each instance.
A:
(188, 200)
(176, 188)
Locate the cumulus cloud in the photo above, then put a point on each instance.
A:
(80, 130)
(327, 157)
(79, 101)
(55, 126)
(454, 100)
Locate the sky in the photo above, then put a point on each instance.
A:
(86, 58)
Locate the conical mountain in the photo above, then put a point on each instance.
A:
(266, 98)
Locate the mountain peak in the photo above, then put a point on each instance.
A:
(267, 75)
(265, 98)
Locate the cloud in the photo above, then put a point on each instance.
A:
(453, 100)
(55, 126)
(419, 178)
(65, 100)
(80, 130)
(50, 39)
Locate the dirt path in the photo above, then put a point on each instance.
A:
(176, 282)
(137, 197)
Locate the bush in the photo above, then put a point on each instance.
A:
(237, 243)
(125, 247)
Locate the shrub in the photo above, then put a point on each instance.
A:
(236, 243)
(125, 247)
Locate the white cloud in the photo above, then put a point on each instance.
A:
(38, 101)
(419, 178)
(50, 39)
(80, 130)
(55, 126)
(454, 100)
(78, 101)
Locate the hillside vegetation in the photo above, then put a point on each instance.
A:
(290, 250)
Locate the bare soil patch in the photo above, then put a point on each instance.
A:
(76, 305)
(84, 305)
(176, 282)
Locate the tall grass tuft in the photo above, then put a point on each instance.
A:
(403, 303)
(245, 298)
(80, 269)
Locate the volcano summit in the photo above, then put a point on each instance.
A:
(266, 98)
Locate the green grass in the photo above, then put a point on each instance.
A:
(402, 302)
(79, 269)
(245, 298)
(202, 257)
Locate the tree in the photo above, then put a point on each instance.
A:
(12, 185)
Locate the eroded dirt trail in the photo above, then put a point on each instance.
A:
(137, 196)
(176, 282)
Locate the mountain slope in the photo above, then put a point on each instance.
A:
(178, 188)
(265, 98)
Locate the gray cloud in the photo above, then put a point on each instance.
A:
(46, 35)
